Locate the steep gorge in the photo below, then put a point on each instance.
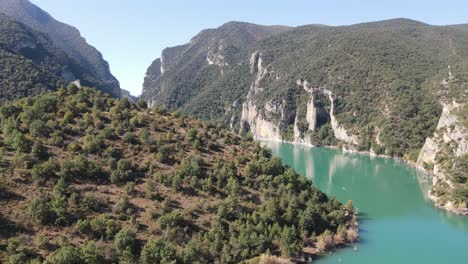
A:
(375, 87)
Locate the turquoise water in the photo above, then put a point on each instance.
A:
(398, 223)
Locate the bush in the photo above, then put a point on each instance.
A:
(89, 201)
(290, 241)
(21, 143)
(123, 172)
(100, 227)
(19, 253)
(65, 255)
(125, 241)
(38, 129)
(41, 211)
(43, 172)
(158, 251)
(82, 168)
(39, 151)
(122, 207)
(171, 220)
(130, 138)
(89, 253)
(191, 135)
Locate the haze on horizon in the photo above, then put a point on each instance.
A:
(131, 35)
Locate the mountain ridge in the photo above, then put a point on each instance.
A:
(377, 86)
(66, 37)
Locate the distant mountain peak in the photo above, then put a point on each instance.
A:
(394, 22)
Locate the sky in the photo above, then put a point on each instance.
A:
(132, 33)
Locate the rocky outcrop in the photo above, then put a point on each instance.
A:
(30, 44)
(67, 74)
(256, 121)
(215, 56)
(312, 114)
(257, 124)
(274, 115)
(449, 131)
(338, 129)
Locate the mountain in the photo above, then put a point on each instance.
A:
(194, 70)
(396, 87)
(128, 95)
(68, 39)
(31, 63)
(86, 178)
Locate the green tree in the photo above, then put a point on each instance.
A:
(125, 241)
(65, 255)
(290, 241)
(123, 172)
(158, 251)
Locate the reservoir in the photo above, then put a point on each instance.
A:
(398, 224)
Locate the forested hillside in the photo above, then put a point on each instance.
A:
(30, 63)
(68, 39)
(86, 178)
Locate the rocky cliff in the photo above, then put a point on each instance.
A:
(445, 156)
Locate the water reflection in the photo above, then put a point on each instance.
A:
(401, 225)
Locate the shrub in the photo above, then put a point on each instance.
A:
(191, 135)
(122, 206)
(325, 241)
(89, 201)
(65, 255)
(21, 143)
(38, 129)
(171, 220)
(43, 172)
(130, 138)
(125, 241)
(68, 118)
(158, 251)
(39, 151)
(290, 241)
(89, 253)
(19, 253)
(123, 172)
(41, 211)
(81, 168)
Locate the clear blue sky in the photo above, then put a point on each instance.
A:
(132, 33)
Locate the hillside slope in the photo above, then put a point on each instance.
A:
(92, 179)
(30, 63)
(379, 87)
(68, 39)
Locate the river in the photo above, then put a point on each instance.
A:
(398, 224)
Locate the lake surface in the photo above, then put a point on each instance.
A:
(398, 223)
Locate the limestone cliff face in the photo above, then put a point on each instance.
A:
(276, 115)
(258, 124)
(338, 129)
(312, 115)
(450, 132)
(253, 120)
